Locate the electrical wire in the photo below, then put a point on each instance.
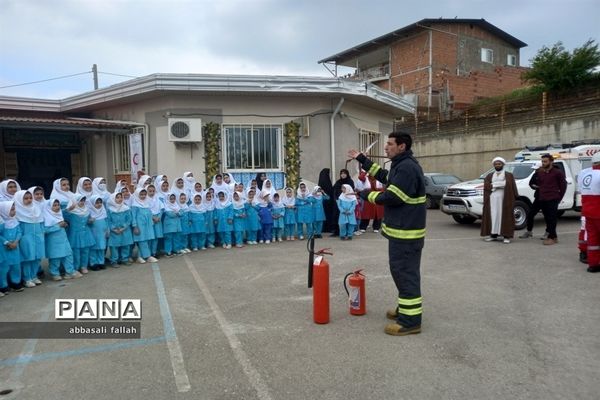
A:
(113, 74)
(46, 80)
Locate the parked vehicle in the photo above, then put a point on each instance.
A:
(464, 201)
(435, 186)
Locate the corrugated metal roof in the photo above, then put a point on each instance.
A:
(422, 24)
(10, 120)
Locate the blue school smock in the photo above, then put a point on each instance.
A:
(346, 206)
(304, 211)
(12, 256)
(171, 222)
(265, 215)
(318, 210)
(158, 226)
(210, 222)
(2, 240)
(141, 218)
(278, 212)
(120, 220)
(99, 229)
(186, 227)
(222, 216)
(79, 232)
(239, 219)
(252, 220)
(289, 218)
(57, 242)
(32, 245)
(198, 220)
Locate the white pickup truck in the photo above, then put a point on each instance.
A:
(464, 201)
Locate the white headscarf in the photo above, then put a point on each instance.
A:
(142, 181)
(183, 206)
(5, 207)
(120, 185)
(156, 204)
(158, 181)
(176, 191)
(221, 204)
(162, 195)
(26, 213)
(288, 201)
(300, 194)
(231, 183)
(52, 218)
(315, 192)
(96, 213)
(137, 201)
(278, 203)
(189, 181)
(38, 204)
(79, 211)
(349, 194)
(249, 186)
(96, 189)
(4, 195)
(114, 207)
(223, 187)
(172, 206)
(197, 207)
(208, 205)
(237, 204)
(59, 194)
(80, 189)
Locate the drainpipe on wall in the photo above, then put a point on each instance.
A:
(332, 136)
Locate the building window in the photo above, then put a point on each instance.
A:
(252, 147)
(487, 55)
(511, 60)
(121, 156)
(366, 138)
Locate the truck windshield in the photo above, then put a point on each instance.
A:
(519, 170)
(445, 179)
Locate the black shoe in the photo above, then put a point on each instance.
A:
(595, 268)
(41, 274)
(583, 257)
(94, 268)
(18, 288)
(102, 266)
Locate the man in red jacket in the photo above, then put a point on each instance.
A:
(551, 185)
(589, 185)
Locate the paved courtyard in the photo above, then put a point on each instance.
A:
(518, 321)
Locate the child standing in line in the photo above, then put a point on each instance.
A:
(58, 249)
(143, 226)
(79, 232)
(61, 190)
(289, 219)
(252, 219)
(278, 213)
(127, 199)
(198, 223)
(31, 245)
(209, 205)
(224, 217)
(318, 211)
(119, 222)
(186, 225)
(10, 241)
(239, 219)
(156, 208)
(266, 218)
(39, 201)
(304, 211)
(100, 231)
(346, 204)
(171, 224)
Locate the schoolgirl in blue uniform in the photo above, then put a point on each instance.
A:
(252, 219)
(278, 214)
(143, 225)
(119, 222)
(61, 190)
(79, 232)
(10, 241)
(289, 219)
(224, 217)
(198, 223)
(209, 206)
(156, 207)
(171, 224)
(239, 219)
(100, 231)
(31, 245)
(58, 249)
(186, 227)
(304, 211)
(99, 189)
(318, 210)
(265, 216)
(39, 201)
(347, 204)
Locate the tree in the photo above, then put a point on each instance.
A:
(557, 70)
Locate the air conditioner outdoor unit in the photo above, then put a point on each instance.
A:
(185, 130)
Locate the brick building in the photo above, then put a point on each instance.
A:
(441, 65)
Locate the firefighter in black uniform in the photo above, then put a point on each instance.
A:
(403, 225)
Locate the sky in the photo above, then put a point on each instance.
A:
(42, 39)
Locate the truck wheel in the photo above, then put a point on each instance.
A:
(520, 211)
(464, 219)
(429, 202)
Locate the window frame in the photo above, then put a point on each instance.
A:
(510, 57)
(484, 52)
(252, 127)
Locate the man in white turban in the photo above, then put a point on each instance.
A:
(499, 194)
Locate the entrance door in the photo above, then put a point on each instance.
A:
(42, 167)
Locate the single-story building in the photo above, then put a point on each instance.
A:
(199, 123)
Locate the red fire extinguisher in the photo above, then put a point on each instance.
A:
(356, 295)
(318, 279)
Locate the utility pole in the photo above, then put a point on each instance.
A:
(95, 73)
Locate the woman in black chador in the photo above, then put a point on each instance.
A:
(337, 190)
(328, 205)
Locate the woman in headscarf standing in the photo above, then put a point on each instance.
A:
(337, 191)
(329, 205)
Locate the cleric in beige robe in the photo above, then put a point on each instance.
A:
(499, 194)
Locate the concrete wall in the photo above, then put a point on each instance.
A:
(469, 155)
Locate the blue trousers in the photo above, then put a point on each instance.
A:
(144, 249)
(96, 257)
(238, 237)
(169, 242)
(267, 232)
(346, 230)
(225, 237)
(81, 257)
(4, 275)
(30, 269)
(289, 230)
(114, 254)
(318, 227)
(14, 274)
(210, 239)
(154, 246)
(67, 262)
(198, 240)
(309, 229)
(181, 241)
(251, 236)
(277, 233)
